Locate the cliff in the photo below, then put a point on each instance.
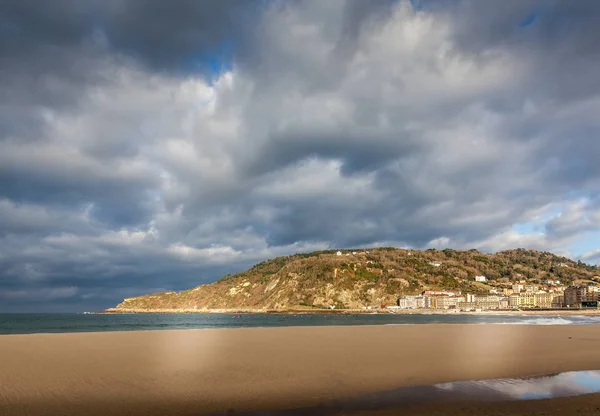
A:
(359, 278)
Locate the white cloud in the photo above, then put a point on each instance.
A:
(592, 257)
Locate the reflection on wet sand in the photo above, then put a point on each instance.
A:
(566, 384)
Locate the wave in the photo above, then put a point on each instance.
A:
(557, 320)
(544, 321)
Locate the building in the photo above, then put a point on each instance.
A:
(489, 298)
(467, 305)
(448, 302)
(507, 292)
(545, 300)
(574, 295)
(558, 301)
(403, 303)
(481, 279)
(411, 302)
(441, 293)
(513, 300)
(517, 288)
(488, 304)
(527, 300)
(593, 293)
(482, 302)
(531, 288)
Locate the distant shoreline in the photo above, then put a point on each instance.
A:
(591, 312)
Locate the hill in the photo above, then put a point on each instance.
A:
(365, 277)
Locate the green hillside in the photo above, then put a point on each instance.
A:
(367, 278)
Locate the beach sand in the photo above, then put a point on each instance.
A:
(198, 372)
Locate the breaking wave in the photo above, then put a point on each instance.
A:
(556, 320)
(544, 321)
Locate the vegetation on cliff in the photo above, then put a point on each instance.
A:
(369, 277)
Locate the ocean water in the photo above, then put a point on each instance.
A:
(56, 323)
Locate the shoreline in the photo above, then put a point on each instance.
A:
(92, 323)
(556, 312)
(249, 369)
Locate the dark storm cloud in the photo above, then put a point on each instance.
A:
(115, 199)
(543, 23)
(159, 34)
(561, 37)
(359, 153)
(51, 53)
(180, 33)
(43, 58)
(150, 145)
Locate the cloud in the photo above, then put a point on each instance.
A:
(591, 257)
(578, 216)
(148, 148)
(57, 293)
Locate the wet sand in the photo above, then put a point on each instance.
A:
(567, 406)
(199, 372)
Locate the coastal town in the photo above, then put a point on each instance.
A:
(520, 296)
(390, 280)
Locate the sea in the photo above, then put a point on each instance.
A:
(59, 323)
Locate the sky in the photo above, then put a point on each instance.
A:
(149, 145)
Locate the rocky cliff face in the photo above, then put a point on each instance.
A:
(359, 278)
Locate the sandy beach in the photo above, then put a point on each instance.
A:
(200, 372)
